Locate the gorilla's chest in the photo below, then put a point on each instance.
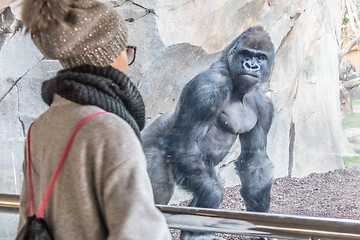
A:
(237, 117)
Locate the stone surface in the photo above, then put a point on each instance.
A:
(305, 78)
(354, 92)
(176, 40)
(352, 56)
(347, 69)
(345, 101)
(352, 83)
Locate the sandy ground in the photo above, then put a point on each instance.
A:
(333, 194)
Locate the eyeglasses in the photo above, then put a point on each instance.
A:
(131, 54)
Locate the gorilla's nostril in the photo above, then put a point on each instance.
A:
(251, 65)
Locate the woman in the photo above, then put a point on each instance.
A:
(103, 190)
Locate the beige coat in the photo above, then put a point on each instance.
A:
(103, 190)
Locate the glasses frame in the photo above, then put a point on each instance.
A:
(133, 60)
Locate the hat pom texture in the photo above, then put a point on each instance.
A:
(40, 14)
(75, 32)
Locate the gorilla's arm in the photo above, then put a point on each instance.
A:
(253, 165)
(201, 100)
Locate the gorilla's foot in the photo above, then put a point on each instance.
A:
(199, 236)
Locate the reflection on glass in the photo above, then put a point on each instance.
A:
(305, 143)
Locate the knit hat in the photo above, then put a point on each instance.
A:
(75, 32)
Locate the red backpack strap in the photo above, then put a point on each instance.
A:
(61, 163)
(31, 207)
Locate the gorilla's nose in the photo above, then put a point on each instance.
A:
(251, 65)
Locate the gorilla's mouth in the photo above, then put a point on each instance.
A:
(250, 77)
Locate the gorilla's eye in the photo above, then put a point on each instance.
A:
(246, 54)
(261, 57)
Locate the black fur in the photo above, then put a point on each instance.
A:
(215, 107)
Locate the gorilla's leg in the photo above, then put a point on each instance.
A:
(158, 166)
(255, 171)
(162, 181)
(256, 181)
(202, 180)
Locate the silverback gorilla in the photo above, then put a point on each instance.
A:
(215, 107)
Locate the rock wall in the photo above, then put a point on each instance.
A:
(347, 34)
(177, 40)
(351, 81)
(306, 135)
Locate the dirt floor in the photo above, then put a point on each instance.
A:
(333, 194)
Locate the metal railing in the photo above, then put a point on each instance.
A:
(9, 203)
(242, 223)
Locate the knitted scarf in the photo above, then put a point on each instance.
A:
(105, 87)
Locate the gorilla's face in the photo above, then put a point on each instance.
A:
(250, 61)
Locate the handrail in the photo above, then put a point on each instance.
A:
(9, 203)
(242, 223)
(260, 224)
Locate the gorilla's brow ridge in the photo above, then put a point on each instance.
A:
(258, 42)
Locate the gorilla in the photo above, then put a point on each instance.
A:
(224, 102)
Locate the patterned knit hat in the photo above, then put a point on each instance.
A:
(75, 32)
